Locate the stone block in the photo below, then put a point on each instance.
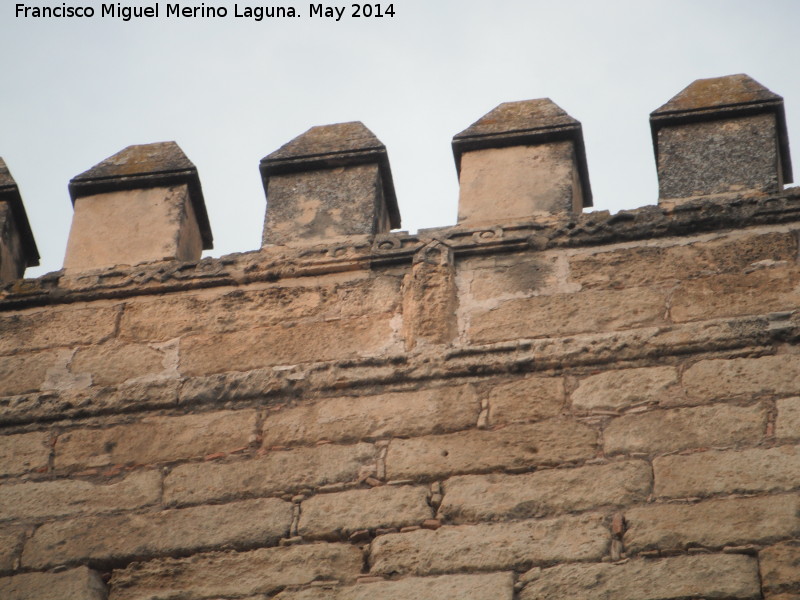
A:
(500, 497)
(111, 364)
(131, 227)
(780, 568)
(721, 135)
(498, 185)
(712, 524)
(483, 586)
(659, 261)
(592, 311)
(529, 399)
(278, 471)
(660, 431)
(720, 576)
(520, 160)
(743, 377)
(707, 473)
(760, 291)
(287, 344)
(24, 452)
(787, 423)
(224, 310)
(331, 181)
(156, 439)
(112, 539)
(548, 442)
(331, 516)
(432, 410)
(17, 246)
(33, 500)
(227, 574)
(78, 584)
(37, 329)
(490, 546)
(520, 274)
(25, 373)
(11, 539)
(143, 204)
(626, 388)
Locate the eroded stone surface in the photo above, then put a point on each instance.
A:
(661, 431)
(496, 497)
(488, 547)
(706, 473)
(489, 586)
(104, 539)
(723, 576)
(529, 399)
(156, 439)
(618, 390)
(216, 574)
(520, 445)
(80, 583)
(334, 515)
(24, 452)
(72, 497)
(276, 471)
(430, 410)
(712, 524)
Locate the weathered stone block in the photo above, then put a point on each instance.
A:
(787, 423)
(523, 445)
(760, 291)
(110, 364)
(484, 586)
(618, 390)
(518, 274)
(33, 500)
(80, 584)
(333, 515)
(660, 431)
(37, 329)
(222, 310)
(276, 472)
(431, 410)
(287, 344)
(717, 157)
(780, 568)
(710, 379)
(566, 314)
(216, 574)
(667, 260)
(712, 524)
(116, 538)
(722, 576)
(490, 547)
(133, 226)
(332, 180)
(24, 452)
(706, 473)
(24, 373)
(11, 539)
(518, 182)
(529, 399)
(156, 439)
(499, 497)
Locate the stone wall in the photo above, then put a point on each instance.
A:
(564, 406)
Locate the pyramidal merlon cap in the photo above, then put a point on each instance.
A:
(724, 98)
(331, 146)
(9, 193)
(525, 123)
(162, 164)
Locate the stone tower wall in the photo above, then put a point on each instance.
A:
(562, 406)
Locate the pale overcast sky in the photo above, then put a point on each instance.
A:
(232, 90)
